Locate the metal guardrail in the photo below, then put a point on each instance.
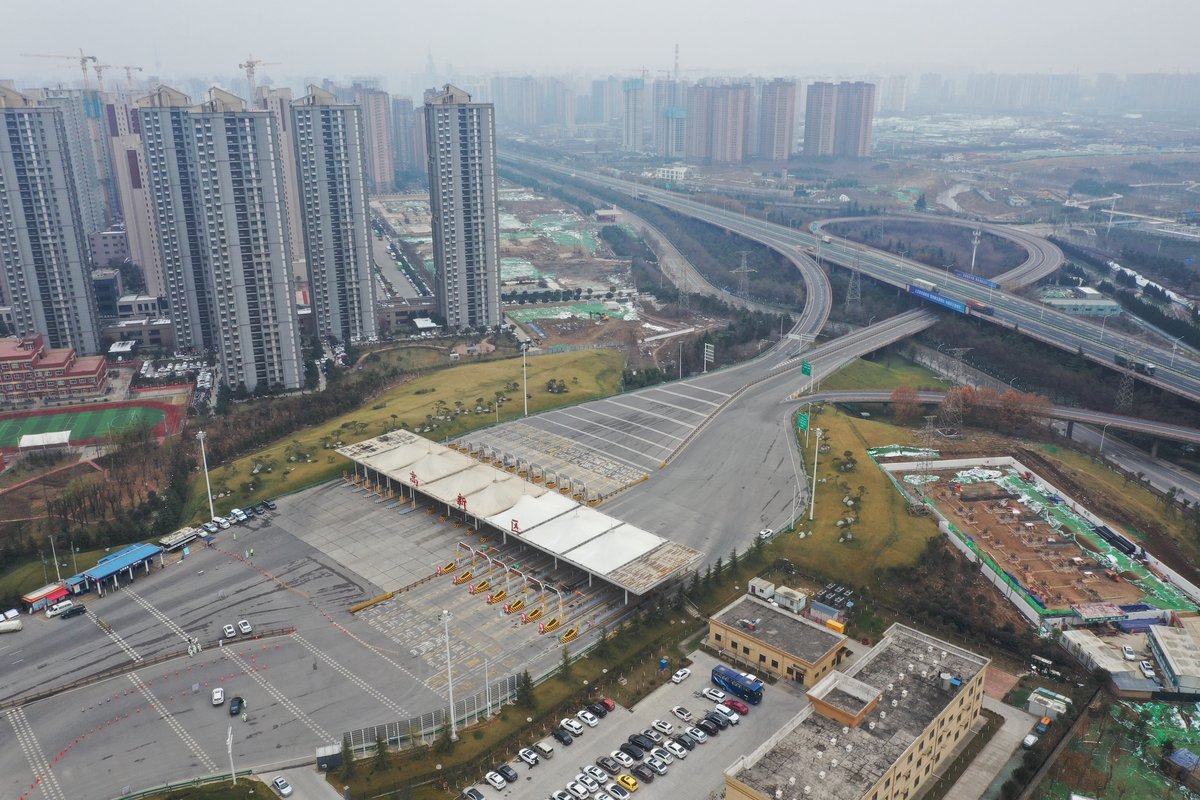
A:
(170, 787)
(123, 669)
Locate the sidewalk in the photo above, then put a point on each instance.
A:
(985, 771)
(306, 783)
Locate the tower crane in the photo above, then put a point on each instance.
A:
(250, 65)
(81, 58)
(100, 74)
(129, 73)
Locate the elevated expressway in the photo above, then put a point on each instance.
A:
(1177, 372)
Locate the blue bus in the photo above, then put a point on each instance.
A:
(737, 684)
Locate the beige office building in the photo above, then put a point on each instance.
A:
(766, 639)
(877, 731)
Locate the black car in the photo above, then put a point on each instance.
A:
(74, 611)
(643, 773)
(684, 741)
(269, 504)
(642, 741)
(632, 750)
(508, 773)
(718, 719)
(598, 709)
(608, 765)
(236, 705)
(260, 509)
(708, 726)
(472, 794)
(562, 736)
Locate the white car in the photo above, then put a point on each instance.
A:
(574, 727)
(282, 786)
(577, 790)
(1127, 651)
(588, 782)
(496, 780)
(716, 695)
(765, 533)
(676, 749)
(528, 756)
(222, 523)
(681, 675)
(622, 758)
(728, 713)
(682, 713)
(229, 632)
(588, 717)
(663, 756)
(697, 734)
(599, 775)
(218, 696)
(663, 727)
(244, 626)
(1147, 669)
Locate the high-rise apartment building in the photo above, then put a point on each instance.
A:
(377, 117)
(279, 103)
(86, 167)
(718, 123)
(461, 139)
(776, 120)
(136, 205)
(215, 175)
(330, 154)
(837, 119)
(43, 245)
(670, 119)
(893, 95)
(404, 134)
(633, 122)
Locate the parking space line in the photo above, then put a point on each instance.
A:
(701, 414)
(356, 680)
(116, 637)
(167, 717)
(706, 389)
(546, 418)
(35, 755)
(275, 693)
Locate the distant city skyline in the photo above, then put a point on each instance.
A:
(858, 37)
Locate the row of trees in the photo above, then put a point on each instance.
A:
(1008, 411)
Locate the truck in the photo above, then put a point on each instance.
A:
(980, 308)
(1141, 367)
(826, 240)
(928, 286)
(10, 626)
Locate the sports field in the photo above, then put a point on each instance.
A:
(90, 424)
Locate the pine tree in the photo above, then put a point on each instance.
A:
(347, 759)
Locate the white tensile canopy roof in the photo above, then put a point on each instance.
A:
(51, 439)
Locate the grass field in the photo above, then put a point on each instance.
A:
(885, 535)
(885, 372)
(588, 374)
(90, 424)
(26, 577)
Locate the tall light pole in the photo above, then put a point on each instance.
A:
(525, 379)
(812, 500)
(1174, 348)
(1103, 323)
(201, 435)
(449, 675)
(229, 747)
(1103, 431)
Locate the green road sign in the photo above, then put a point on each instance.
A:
(805, 368)
(802, 422)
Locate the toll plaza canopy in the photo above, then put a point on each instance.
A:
(622, 554)
(126, 559)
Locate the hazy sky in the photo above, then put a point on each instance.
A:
(339, 38)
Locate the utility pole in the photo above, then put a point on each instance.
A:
(449, 675)
(812, 500)
(525, 378)
(974, 247)
(229, 747)
(201, 435)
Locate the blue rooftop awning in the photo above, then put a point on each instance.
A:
(133, 555)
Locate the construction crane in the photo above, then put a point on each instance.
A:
(81, 58)
(250, 65)
(100, 74)
(129, 73)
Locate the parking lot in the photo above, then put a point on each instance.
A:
(696, 776)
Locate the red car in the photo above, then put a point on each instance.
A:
(738, 706)
(607, 703)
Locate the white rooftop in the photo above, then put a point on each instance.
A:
(51, 439)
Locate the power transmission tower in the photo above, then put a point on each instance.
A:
(743, 273)
(925, 474)
(854, 294)
(1124, 393)
(951, 409)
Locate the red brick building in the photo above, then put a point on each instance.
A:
(31, 371)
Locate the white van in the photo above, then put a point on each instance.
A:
(544, 749)
(58, 608)
(238, 514)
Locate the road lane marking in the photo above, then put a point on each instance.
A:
(616, 430)
(116, 637)
(184, 736)
(160, 616)
(665, 390)
(356, 680)
(280, 698)
(34, 754)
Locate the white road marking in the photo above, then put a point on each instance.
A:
(356, 680)
(615, 430)
(160, 616)
(35, 755)
(545, 417)
(279, 696)
(665, 390)
(184, 736)
(610, 401)
(116, 637)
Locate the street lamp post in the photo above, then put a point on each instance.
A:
(812, 500)
(525, 379)
(1103, 323)
(201, 435)
(1103, 432)
(1174, 348)
(449, 675)
(229, 747)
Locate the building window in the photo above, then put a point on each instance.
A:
(745, 651)
(717, 637)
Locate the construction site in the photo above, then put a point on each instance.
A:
(1059, 563)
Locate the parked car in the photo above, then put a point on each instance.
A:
(697, 734)
(218, 696)
(236, 706)
(663, 755)
(229, 631)
(590, 719)
(595, 772)
(599, 709)
(561, 795)
(683, 740)
(471, 793)
(652, 735)
(643, 773)
(622, 758)
(74, 611)
(738, 706)
(572, 725)
(1042, 725)
(210, 527)
(260, 509)
(632, 751)
(588, 782)
(495, 780)
(1146, 667)
(681, 675)
(270, 504)
(528, 756)
(641, 740)
(628, 782)
(728, 713)
(281, 785)
(577, 790)
(716, 695)
(663, 727)
(618, 791)
(708, 726)
(675, 748)
(718, 719)
(608, 703)
(765, 533)
(562, 736)
(657, 764)
(1029, 741)
(244, 626)
(682, 713)
(610, 766)
(508, 773)
(1127, 651)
